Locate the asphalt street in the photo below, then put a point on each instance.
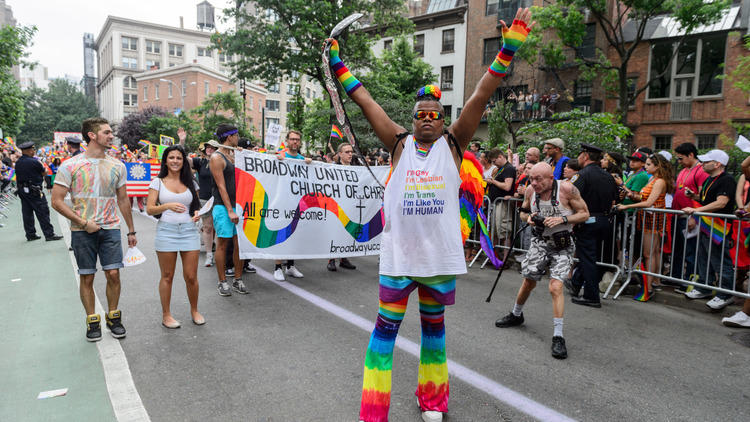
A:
(274, 356)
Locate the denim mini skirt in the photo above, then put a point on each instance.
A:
(176, 237)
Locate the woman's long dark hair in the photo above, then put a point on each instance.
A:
(186, 175)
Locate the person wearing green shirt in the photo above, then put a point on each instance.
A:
(638, 178)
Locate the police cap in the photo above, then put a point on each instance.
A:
(72, 140)
(590, 148)
(27, 145)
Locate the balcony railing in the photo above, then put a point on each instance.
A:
(681, 110)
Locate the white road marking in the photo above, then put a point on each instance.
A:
(500, 392)
(125, 399)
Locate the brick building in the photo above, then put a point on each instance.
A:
(690, 103)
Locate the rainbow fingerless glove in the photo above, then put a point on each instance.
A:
(348, 81)
(513, 38)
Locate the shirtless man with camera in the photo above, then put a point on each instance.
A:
(552, 207)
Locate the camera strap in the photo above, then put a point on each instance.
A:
(554, 200)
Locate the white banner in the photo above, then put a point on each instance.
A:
(292, 210)
(273, 134)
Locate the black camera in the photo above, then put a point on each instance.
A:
(538, 221)
(245, 143)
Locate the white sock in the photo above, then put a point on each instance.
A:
(558, 324)
(517, 309)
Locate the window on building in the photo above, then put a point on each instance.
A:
(130, 99)
(448, 110)
(204, 52)
(507, 9)
(274, 88)
(419, 44)
(169, 90)
(153, 47)
(491, 47)
(583, 88)
(449, 39)
(270, 120)
(706, 141)
(632, 85)
(686, 76)
(129, 82)
(458, 111)
(183, 89)
(292, 89)
(129, 43)
(172, 64)
(295, 74)
(145, 93)
(289, 106)
(588, 47)
(272, 105)
(662, 142)
(446, 78)
(712, 58)
(206, 87)
(152, 64)
(223, 58)
(660, 63)
(156, 91)
(387, 44)
(250, 102)
(307, 92)
(491, 8)
(130, 62)
(219, 89)
(175, 50)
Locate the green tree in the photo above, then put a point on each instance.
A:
(217, 108)
(275, 38)
(601, 129)
(131, 129)
(14, 41)
(500, 124)
(61, 107)
(566, 18)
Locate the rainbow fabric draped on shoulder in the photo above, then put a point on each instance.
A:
(470, 196)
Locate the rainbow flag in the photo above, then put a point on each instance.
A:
(83, 147)
(336, 132)
(12, 175)
(715, 228)
(144, 143)
(281, 147)
(470, 197)
(262, 150)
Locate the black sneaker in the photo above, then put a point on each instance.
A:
(568, 283)
(346, 264)
(93, 327)
(331, 265)
(114, 324)
(509, 320)
(54, 237)
(239, 287)
(558, 348)
(229, 272)
(249, 268)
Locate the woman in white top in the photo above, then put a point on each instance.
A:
(173, 199)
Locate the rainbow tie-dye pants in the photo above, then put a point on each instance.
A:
(432, 384)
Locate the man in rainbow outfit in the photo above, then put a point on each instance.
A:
(421, 247)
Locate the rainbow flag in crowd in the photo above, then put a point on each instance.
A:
(470, 197)
(12, 175)
(144, 143)
(281, 147)
(336, 132)
(263, 150)
(715, 228)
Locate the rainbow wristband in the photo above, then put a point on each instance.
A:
(513, 38)
(348, 81)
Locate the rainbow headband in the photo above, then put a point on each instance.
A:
(227, 133)
(429, 90)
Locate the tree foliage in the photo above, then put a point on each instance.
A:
(131, 129)
(61, 107)
(218, 108)
(392, 80)
(574, 127)
(14, 42)
(275, 38)
(566, 19)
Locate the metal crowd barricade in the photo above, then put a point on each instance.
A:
(664, 221)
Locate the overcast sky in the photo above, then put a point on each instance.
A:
(58, 43)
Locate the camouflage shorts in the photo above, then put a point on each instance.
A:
(541, 256)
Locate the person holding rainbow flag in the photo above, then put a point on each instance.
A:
(421, 246)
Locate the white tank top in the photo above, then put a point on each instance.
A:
(422, 234)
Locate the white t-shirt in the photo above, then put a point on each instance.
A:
(167, 196)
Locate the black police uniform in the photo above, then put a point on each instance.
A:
(598, 190)
(76, 141)
(29, 178)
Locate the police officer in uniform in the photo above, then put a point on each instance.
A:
(74, 145)
(29, 177)
(599, 191)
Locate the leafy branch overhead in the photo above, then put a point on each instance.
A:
(275, 38)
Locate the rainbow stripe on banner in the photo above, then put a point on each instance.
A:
(253, 198)
(336, 132)
(715, 228)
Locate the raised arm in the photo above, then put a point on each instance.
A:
(385, 128)
(466, 124)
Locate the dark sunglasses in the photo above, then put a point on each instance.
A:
(433, 115)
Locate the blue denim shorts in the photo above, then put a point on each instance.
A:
(105, 244)
(176, 237)
(222, 224)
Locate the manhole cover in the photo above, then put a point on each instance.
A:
(741, 338)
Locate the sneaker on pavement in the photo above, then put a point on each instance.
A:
(239, 287)
(229, 272)
(697, 294)
(331, 265)
(559, 351)
(509, 320)
(114, 323)
(294, 272)
(738, 320)
(432, 416)
(224, 289)
(93, 327)
(278, 274)
(346, 264)
(248, 268)
(568, 283)
(209, 259)
(718, 304)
